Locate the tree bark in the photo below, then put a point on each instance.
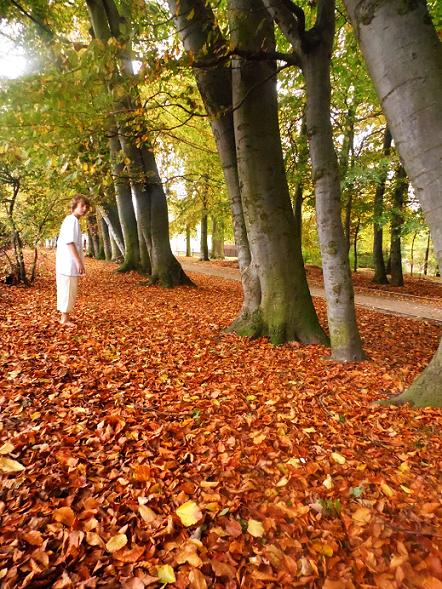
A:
(404, 57)
(397, 220)
(188, 244)
(217, 239)
(204, 246)
(106, 240)
(126, 212)
(109, 212)
(346, 343)
(427, 255)
(286, 310)
(203, 42)
(412, 253)
(380, 275)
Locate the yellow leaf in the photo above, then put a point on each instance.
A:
(166, 574)
(188, 553)
(94, 539)
(190, 14)
(324, 549)
(9, 466)
(7, 448)
(388, 491)
(189, 513)
(338, 458)
(403, 467)
(116, 543)
(362, 515)
(406, 490)
(64, 515)
(147, 513)
(258, 438)
(328, 482)
(309, 430)
(282, 482)
(255, 528)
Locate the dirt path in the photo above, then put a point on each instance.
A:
(384, 304)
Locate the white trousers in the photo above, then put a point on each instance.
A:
(67, 287)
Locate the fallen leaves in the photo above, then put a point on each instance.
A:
(116, 543)
(9, 466)
(189, 513)
(159, 450)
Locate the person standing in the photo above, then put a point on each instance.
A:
(69, 264)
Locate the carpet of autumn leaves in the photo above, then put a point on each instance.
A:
(152, 448)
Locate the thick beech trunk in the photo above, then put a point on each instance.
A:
(286, 310)
(404, 57)
(204, 42)
(397, 220)
(315, 62)
(380, 274)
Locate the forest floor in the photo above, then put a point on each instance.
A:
(146, 447)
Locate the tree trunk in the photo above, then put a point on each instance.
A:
(286, 310)
(106, 240)
(355, 247)
(397, 220)
(404, 57)
(204, 246)
(346, 343)
(315, 62)
(117, 255)
(217, 239)
(188, 244)
(204, 42)
(126, 212)
(380, 275)
(109, 212)
(427, 255)
(412, 253)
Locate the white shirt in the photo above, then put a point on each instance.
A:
(70, 232)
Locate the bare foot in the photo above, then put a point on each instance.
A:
(67, 323)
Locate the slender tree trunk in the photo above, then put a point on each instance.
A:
(204, 246)
(412, 253)
(355, 247)
(286, 311)
(204, 42)
(126, 212)
(106, 240)
(217, 238)
(109, 212)
(427, 255)
(117, 255)
(380, 275)
(397, 220)
(188, 243)
(404, 57)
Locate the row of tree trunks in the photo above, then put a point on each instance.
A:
(404, 58)
(149, 248)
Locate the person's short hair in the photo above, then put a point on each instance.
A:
(79, 198)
